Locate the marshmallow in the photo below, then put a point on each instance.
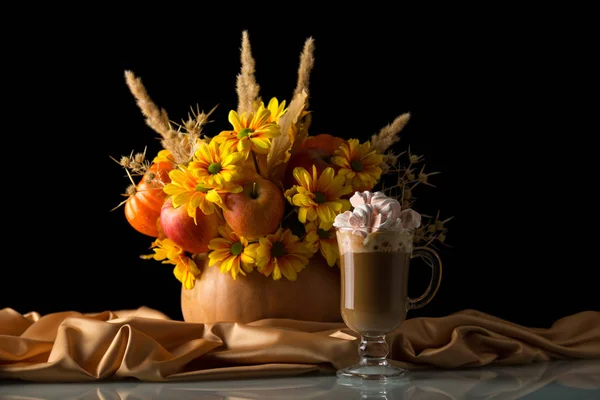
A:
(377, 223)
(376, 211)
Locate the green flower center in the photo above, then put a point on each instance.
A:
(320, 198)
(323, 234)
(214, 168)
(245, 133)
(278, 249)
(237, 248)
(356, 166)
(200, 188)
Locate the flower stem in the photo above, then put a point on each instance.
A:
(255, 163)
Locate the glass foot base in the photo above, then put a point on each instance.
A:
(371, 373)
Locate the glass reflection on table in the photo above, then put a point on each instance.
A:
(577, 379)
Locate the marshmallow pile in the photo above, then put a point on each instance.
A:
(376, 212)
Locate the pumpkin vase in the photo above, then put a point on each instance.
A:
(217, 297)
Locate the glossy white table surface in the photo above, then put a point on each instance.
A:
(570, 380)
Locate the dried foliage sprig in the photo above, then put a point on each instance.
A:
(180, 146)
(247, 88)
(195, 122)
(409, 174)
(432, 231)
(136, 163)
(279, 152)
(183, 144)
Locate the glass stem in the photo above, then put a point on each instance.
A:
(373, 351)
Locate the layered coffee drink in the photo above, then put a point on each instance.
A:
(374, 275)
(375, 244)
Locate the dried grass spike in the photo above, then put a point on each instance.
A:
(307, 62)
(388, 135)
(156, 118)
(247, 88)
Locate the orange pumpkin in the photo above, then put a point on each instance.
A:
(142, 209)
(315, 150)
(323, 141)
(217, 297)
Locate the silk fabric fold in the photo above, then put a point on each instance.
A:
(146, 345)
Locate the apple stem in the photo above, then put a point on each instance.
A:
(254, 190)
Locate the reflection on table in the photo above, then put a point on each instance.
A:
(578, 379)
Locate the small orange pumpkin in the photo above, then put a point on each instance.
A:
(142, 208)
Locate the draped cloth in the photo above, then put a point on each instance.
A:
(145, 344)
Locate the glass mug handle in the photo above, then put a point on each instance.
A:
(431, 258)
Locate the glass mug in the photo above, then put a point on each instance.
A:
(374, 294)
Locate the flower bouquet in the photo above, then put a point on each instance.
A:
(245, 212)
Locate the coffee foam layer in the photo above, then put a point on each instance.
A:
(382, 241)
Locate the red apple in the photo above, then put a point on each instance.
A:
(178, 226)
(257, 210)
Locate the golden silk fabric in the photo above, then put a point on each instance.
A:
(147, 345)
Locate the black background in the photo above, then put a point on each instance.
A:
(504, 109)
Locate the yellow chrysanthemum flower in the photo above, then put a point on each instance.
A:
(231, 251)
(276, 108)
(215, 163)
(281, 253)
(251, 132)
(319, 197)
(187, 190)
(168, 252)
(325, 241)
(359, 164)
